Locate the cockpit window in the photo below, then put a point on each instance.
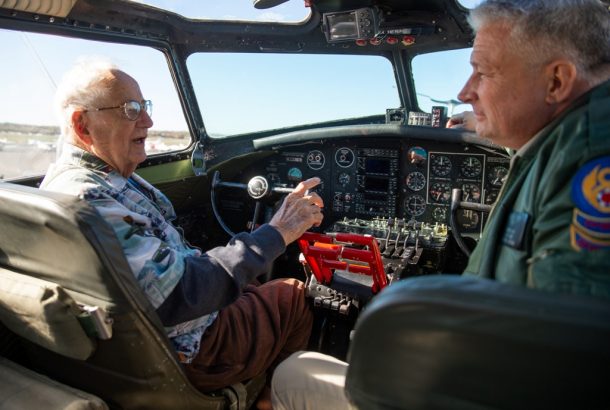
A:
(244, 10)
(31, 69)
(240, 93)
(469, 4)
(436, 85)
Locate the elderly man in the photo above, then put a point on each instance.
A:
(540, 85)
(224, 330)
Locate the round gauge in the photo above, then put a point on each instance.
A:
(315, 160)
(440, 164)
(344, 157)
(344, 178)
(467, 219)
(497, 174)
(417, 155)
(415, 205)
(471, 167)
(471, 193)
(490, 197)
(440, 214)
(440, 192)
(295, 174)
(416, 181)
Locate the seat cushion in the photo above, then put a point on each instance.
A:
(43, 313)
(21, 388)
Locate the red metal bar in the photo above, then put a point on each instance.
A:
(324, 254)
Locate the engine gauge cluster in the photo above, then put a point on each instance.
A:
(431, 175)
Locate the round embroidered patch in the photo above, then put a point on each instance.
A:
(591, 188)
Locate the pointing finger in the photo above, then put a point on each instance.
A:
(306, 185)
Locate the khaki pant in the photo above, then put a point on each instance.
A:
(310, 381)
(262, 327)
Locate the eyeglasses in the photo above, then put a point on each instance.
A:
(132, 109)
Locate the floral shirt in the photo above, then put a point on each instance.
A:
(156, 251)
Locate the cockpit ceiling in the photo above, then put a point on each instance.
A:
(436, 25)
(56, 8)
(395, 5)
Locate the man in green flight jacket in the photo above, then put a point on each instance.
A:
(543, 89)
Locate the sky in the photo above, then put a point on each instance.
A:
(32, 67)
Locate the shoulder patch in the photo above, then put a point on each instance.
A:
(591, 188)
(581, 241)
(591, 225)
(590, 228)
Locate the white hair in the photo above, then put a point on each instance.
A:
(83, 85)
(542, 30)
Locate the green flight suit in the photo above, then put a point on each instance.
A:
(527, 240)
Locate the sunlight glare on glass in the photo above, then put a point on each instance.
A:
(292, 11)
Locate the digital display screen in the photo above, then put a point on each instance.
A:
(377, 166)
(376, 184)
(375, 197)
(343, 26)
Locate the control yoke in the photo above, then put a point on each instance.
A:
(457, 203)
(257, 188)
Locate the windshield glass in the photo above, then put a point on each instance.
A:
(293, 11)
(239, 93)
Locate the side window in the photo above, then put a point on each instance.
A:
(33, 64)
(439, 77)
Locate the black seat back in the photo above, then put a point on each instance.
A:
(466, 343)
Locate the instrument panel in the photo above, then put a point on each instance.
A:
(408, 179)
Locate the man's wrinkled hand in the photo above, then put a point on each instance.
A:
(300, 211)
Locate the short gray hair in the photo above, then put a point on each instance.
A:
(545, 29)
(82, 86)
